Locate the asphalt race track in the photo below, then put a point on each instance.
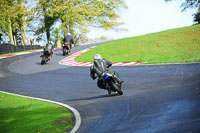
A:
(157, 98)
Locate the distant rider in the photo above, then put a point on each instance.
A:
(49, 48)
(69, 39)
(100, 67)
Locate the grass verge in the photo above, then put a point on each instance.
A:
(23, 115)
(172, 46)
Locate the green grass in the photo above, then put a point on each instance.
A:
(23, 115)
(172, 46)
(19, 52)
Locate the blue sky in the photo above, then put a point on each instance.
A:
(148, 16)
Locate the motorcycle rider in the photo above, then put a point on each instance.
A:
(49, 48)
(69, 39)
(100, 67)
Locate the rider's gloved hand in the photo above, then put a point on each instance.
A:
(102, 74)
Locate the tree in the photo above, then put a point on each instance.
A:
(42, 13)
(197, 17)
(78, 15)
(191, 4)
(7, 14)
(12, 18)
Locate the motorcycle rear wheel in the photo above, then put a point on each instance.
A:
(115, 87)
(64, 51)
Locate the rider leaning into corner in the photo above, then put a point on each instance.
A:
(100, 67)
(49, 48)
(69, 39)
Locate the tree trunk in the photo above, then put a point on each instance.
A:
(23, 27)
(71, 28)
(47, 29)
(6, 39)
(64, 27)
(14, 39)
(23, 32)
(10, 34)
(58, 42)
(48, 34)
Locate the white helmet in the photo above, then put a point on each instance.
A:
(97, 56)
(69, 34)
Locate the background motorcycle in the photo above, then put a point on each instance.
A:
(45, 57)
(66, 49)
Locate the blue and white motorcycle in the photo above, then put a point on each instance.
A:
(108, 81)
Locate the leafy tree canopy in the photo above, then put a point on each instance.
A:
(191, 4)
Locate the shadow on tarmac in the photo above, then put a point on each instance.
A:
(95, 97)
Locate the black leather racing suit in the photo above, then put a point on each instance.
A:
(68, 39)
(99, 67)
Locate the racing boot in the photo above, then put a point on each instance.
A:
(119, 81)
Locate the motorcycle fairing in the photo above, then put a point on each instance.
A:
(106, 76)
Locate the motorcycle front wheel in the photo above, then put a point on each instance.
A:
(115, 87)
(43, 60)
